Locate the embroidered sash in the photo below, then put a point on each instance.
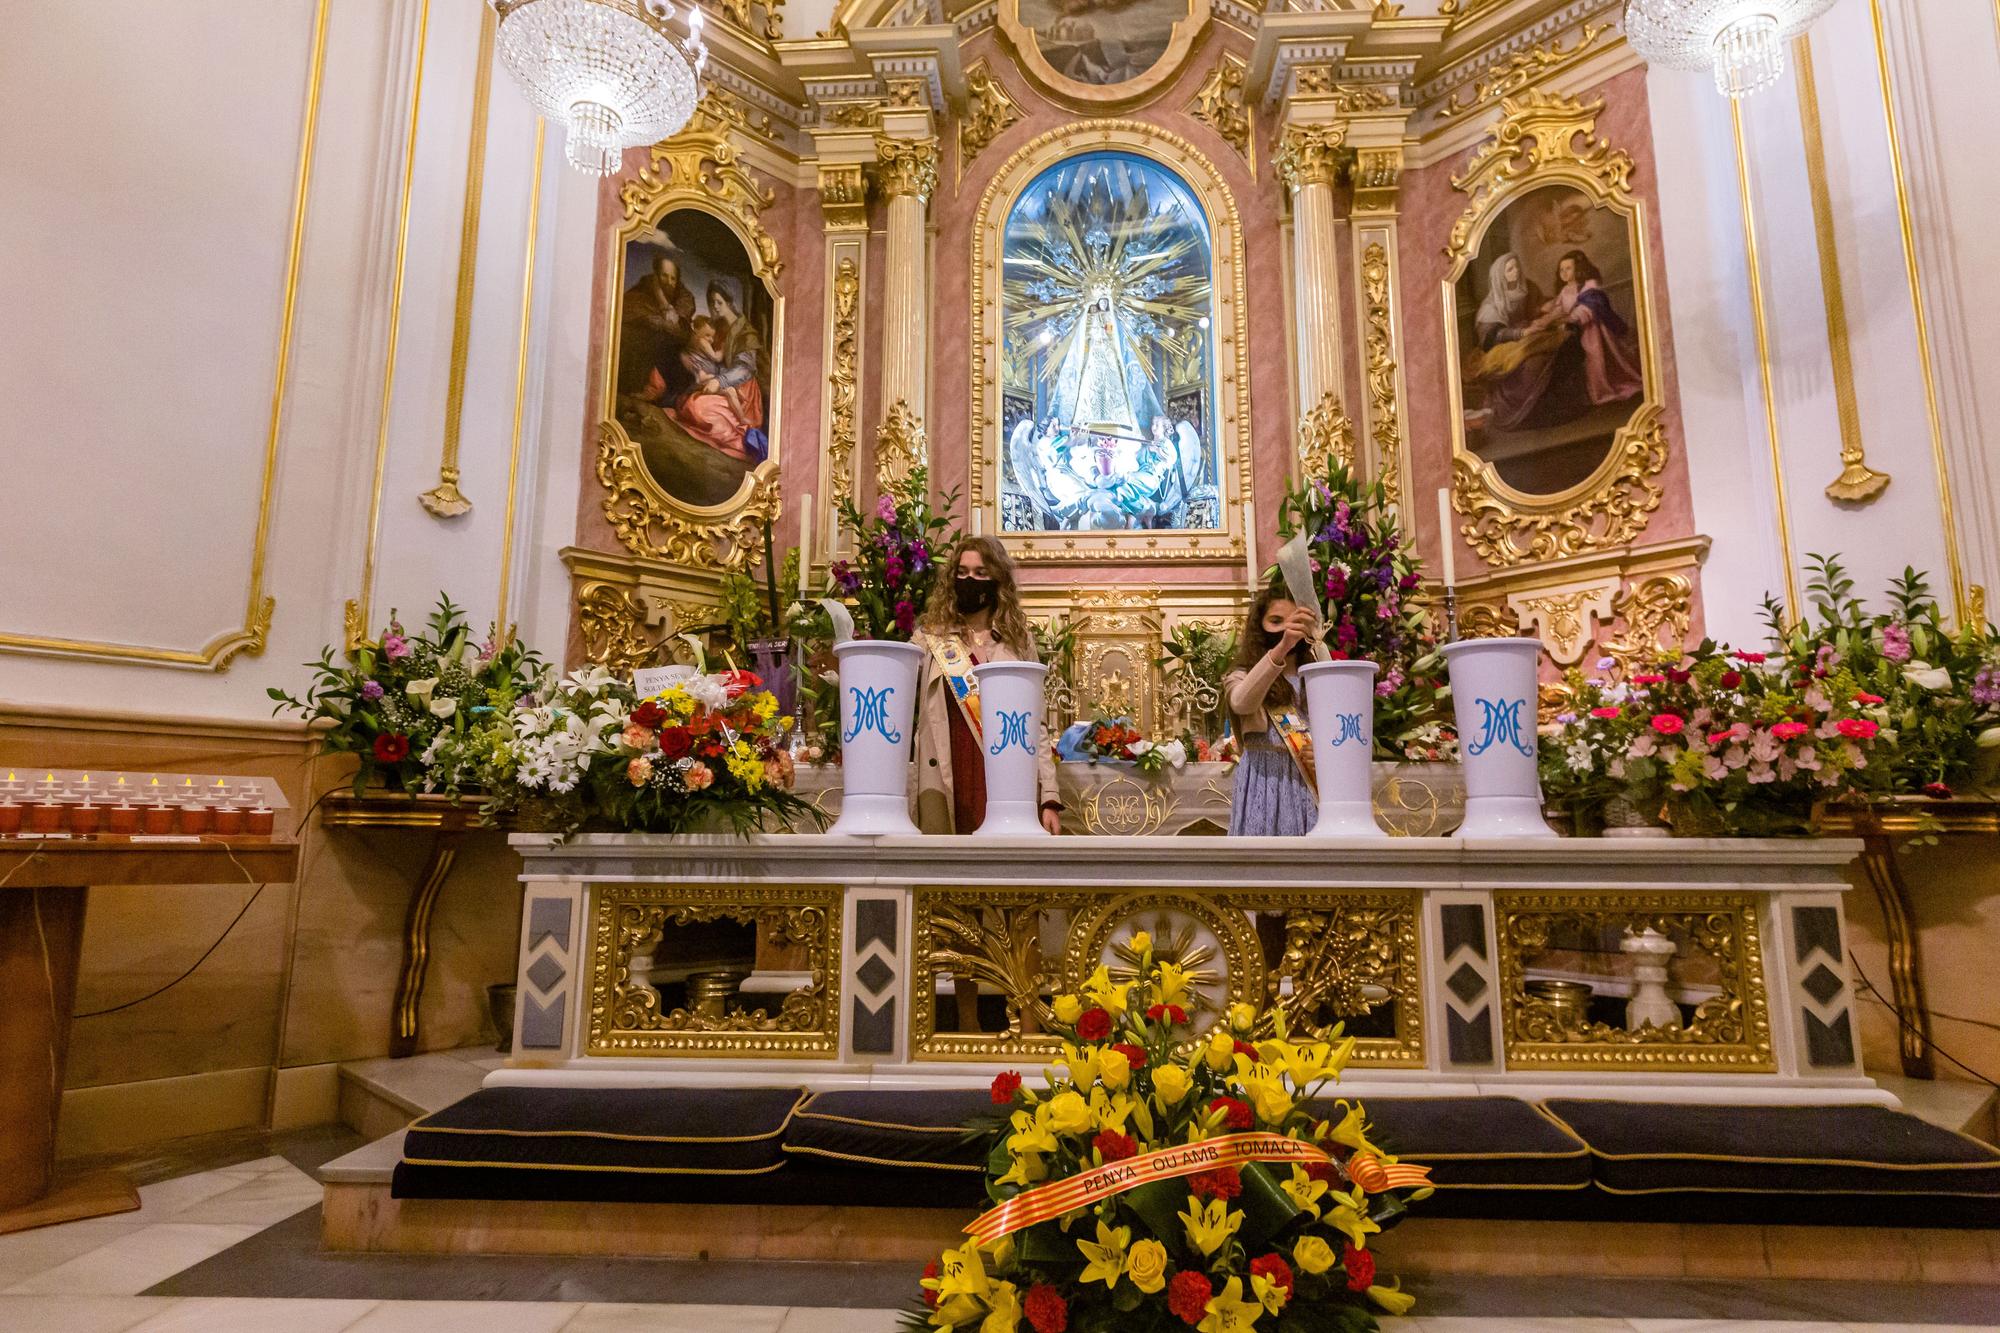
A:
(955, 662)
(1291, 728)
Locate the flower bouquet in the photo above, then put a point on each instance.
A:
(1163, 1180)
(421, 711)
(1114, 740)
(895, 561)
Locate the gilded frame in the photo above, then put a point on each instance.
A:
(1096, 97)
(696, 169)
(1232, 359)
(1549, 139)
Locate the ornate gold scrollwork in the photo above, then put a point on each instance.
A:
(1310, 155)
(844, 391)
(988, 112)
(627, 1014)
(1222, 106)
(1521, 69)
(1545, 138)
(843, 197)
(1488, 620)
(613, 623)
(1128, 807)
(1564, 620)
(697, 168)
(1379, 354)
(1325, 434)
(906, 166)
(1729, 1030)
(900, 446)
(1657, 612)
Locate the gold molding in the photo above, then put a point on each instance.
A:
(221, 651)
(1309, 155)
(989, 111)
(1857, 483)
(1232, 358)
(1954, 564)
(697, 168)
(1326, 433)
(355, 616)
(844, 396)
(1793, 606)
(1522, 69)
(1542, 139)
(521, 377)
(1380, 365)
(843, 197)
(445, 500)
(906, 167)
(1223, 106)
(900, 445)
(630, 610)
(1376, 176)
(1648, 606)
(1101, 98)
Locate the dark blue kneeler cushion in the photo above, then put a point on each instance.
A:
(920, 1130)
(1658, 1147)
(1492, 1143)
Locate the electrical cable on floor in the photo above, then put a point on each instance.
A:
(1932, 1045)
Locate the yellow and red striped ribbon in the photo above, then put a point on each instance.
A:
(1057, 1197)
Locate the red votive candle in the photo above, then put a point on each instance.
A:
(195, 818)
(121, 819)
(229, 821)
(84, 818)
(157, 818)
(46, 817)
(11, 814)
(261, 822)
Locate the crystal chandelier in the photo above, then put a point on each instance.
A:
(611, 71)
(1743, 41)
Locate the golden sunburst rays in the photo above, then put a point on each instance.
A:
(1179, 941)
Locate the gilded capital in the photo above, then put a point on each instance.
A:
(1378, 172)
(907, 166)
(1309, 155)
(843, 197)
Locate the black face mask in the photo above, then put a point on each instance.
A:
(974, 595)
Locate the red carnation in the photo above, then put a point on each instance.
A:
(1188, 1296)
(1729, 680)
(1221, 1183)
(1114, 1147)
(1857, 728)
(930, 1293)
(1274, 1267)
(1248, 1052)
(1668, 724)
(1004, 1087)
(1094, 1025)
(1135, 1056)
(649, 714)
(1606, 713)
(1360, 1266)
(392, 747)
(1046, 1309)
(1324, 1171)
(1865, 698)
(675, 742)
(1173, 1011)
(1751, 658)
(1236, 1114)
(734, 683)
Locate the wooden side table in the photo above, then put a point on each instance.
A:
(42, 902)
(449, 820)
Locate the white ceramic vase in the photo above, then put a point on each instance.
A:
(1340, 710)
(878, 704)
(1010, 724)
(1493, 694)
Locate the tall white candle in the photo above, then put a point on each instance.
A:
(1444, 538)
(1250, 561)
(978, 521)
(805, 543)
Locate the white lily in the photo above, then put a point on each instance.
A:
(1927, 677)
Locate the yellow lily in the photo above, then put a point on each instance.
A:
(1228, 1312)
(1269, 1294)
(1170, 984)
(1305, 1192)
(1352, 1130)
(1004, 1313)
(1106, 1257)
(1099, 991)
(1109, 1112)
(1210, 1224)
(1028, 1169)
(1392, 1299)
(1031, 1136)
(1349, 1216)
(962, 1272)
(1141, 943)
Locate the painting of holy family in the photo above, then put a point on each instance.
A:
(694, 357)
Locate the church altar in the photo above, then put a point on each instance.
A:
(1718, 973)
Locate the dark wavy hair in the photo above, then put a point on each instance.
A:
(1010, 623)
(1585, 270)
(1254, 641)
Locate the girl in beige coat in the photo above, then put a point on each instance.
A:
(978, 607)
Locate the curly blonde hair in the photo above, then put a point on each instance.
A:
(1010, 622)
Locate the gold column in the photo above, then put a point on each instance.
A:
(1377, 176)
(1307, 161)
(907, 172)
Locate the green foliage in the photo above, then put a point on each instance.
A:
(897, 549)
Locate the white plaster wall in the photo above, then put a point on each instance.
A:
(145, 235)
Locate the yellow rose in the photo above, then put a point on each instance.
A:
(1170, 1084)
(1114, 1069)
(1068, 1009)
(1068, 1113)
(1146, 1265)
(1221, 1053)
(1242, 1017)
(1141, 943)
(1313, 1254)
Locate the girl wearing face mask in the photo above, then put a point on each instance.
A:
(973, 617)
(1273, 795)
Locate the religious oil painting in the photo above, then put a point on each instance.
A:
(694, 357)
(1107, 354)
(1549, 333)
(1098, 50)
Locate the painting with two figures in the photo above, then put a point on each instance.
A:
(1551, 362)
(1107, 361)
(1102, 42)
(694, 357)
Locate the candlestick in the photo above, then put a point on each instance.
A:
(805, 544)
(1250, 564)
(978, 521)
(1444, 538)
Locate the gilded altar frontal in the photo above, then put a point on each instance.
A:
(999, 666)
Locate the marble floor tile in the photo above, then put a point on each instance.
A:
(24, 1254)
(1503, 1324)
(677, 1319)
(78, 1314)
(840, 1321)
(131, 1263)
(223, 1314)
(164, 1200)
(466, 1317)
(1735, 1326)
(259, 1201)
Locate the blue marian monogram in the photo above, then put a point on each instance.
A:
(1013, 731)
(870, 712)
(1500, 724)
(1348, 727)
